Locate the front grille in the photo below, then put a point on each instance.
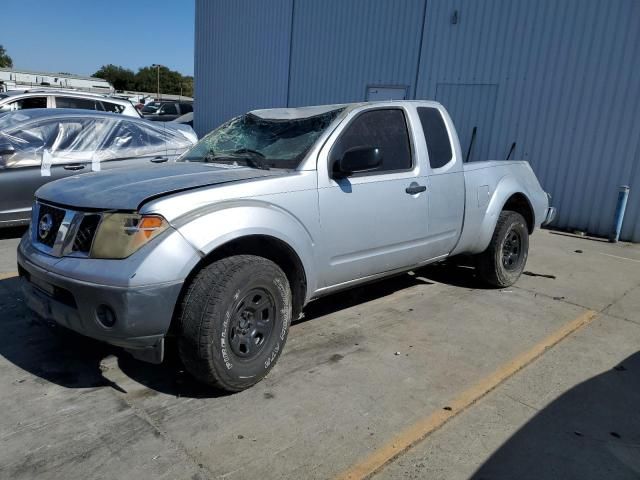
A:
(86, 231)
(49, 221)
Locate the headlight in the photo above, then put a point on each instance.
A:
(121, 234)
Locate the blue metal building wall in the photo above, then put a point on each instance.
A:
(339, 47)
(568, 81)
(241, 58)
(560, 79)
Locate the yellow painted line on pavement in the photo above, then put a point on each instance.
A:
(427, 425)
(4, 276)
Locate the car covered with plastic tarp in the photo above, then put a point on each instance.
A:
(41, 145)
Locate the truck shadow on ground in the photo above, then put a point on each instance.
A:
(12, 232)
(57, 355)
(592, 431)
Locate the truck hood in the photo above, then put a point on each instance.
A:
(129, 188)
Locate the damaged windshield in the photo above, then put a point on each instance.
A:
(250, 140)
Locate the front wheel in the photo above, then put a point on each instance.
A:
(501, 264)
(234, 321)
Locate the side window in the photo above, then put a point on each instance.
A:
(129, 135)
(132, 139)
(186, 108)
(385, 129)
(77, 135)
(169, 109)
(30, 102)
(69, 102)
(436, 136)
(28, 142)
(112, 107)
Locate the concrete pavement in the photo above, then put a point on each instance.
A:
(73, 408)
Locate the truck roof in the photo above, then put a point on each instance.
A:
(294, 113)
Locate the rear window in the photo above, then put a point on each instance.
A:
(186, 107)
(436, 136)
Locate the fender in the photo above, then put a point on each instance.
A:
(212, 226)
(505, 188)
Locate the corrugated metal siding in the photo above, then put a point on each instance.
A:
(566, 74)
(569, 93)
(339, 47)
(241, 58)
(473, 106)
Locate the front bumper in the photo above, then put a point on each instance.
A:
(142, 313)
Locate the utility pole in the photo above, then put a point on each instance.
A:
(157, 66)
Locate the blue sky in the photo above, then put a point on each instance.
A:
(79, 36)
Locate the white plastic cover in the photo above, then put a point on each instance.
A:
(76, 139)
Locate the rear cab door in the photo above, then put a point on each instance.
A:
(376, 221)
(439, 142)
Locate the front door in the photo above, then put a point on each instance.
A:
(376, 221)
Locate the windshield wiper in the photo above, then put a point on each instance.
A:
(249, 151)
(252, 158)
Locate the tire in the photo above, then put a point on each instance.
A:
(234, 320)
(501, 264)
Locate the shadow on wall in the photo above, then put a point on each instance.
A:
(590, 432)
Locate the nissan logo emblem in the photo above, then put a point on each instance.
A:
(45, 225)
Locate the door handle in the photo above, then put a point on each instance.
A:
(159, 159)
(415, 188)
(74, 166)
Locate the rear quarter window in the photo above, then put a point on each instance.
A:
(112, 107)
(436, 136)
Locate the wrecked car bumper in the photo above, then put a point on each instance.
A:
(136, 318)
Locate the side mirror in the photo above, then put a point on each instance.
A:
(357, 160)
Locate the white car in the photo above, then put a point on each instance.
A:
(41, 98)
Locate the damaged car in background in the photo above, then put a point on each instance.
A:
(41, 145)
(275, 208)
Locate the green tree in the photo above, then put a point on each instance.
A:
(171, 82)
(5, 59)
(146, 80)
(121, 78)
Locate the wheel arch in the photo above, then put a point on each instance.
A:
(261, 245)
(519, 203)
(508, 195)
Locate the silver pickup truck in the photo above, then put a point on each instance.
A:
(275, 208)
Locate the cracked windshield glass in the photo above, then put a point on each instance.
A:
(257, 142)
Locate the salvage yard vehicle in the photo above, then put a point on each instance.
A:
(41, 145)
(15, 100)
(273, 209)
(166, 111)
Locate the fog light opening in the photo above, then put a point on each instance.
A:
(106, 316)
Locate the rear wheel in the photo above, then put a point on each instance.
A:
(504, 259)
(234, 321)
